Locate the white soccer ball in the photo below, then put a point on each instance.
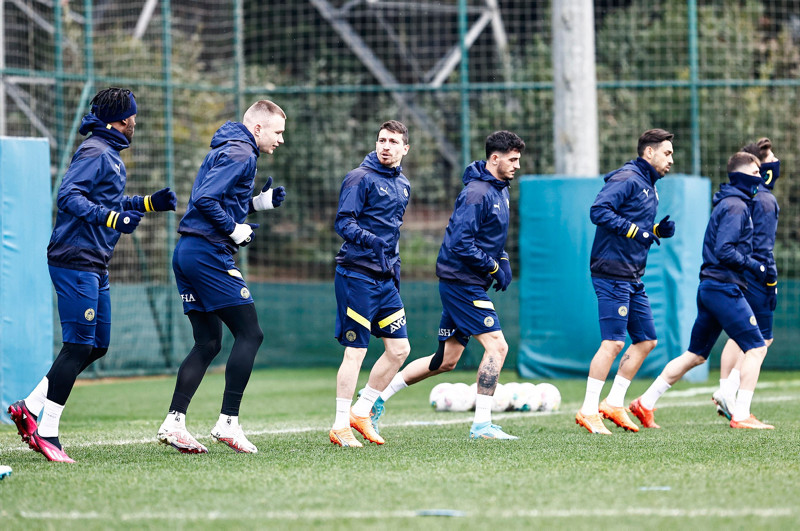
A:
(458, 397)
(529, 397)
(513, 391)
(551, 397)
(437, 397)
(501, 398)
(473, 391)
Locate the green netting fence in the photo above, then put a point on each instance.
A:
(718, 74)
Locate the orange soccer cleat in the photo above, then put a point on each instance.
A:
(344, 438)
(644, 415)
(593, 423)
(618, 416)
(363, 425)
(751, 423)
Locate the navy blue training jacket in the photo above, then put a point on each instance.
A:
(765, 226)
(92, 187)
(372, 202)
(223, 188)
(628, 197)
(476, 234)
(727, 245)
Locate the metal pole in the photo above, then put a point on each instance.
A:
(58, 35)
(694, 79)
(465, 125)
(238, 74)
(169, 158)
(2, 68)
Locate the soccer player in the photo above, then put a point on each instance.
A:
(471, 258)
(721, 305)
(624, 212)
(372, 202)
(92, 215)
(761, 296)
(210, 285)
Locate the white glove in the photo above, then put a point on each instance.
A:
(243, 233)
(263, 201)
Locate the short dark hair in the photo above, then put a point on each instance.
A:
(110, 103)
(394, 126)
(503, 142)
(741, 158)
(653, 137)
(759, 148)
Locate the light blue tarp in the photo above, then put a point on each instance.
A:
(26, 309)
(559, 331)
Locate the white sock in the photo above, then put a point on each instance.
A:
(48, 422)
(342, 413)
(616, 397)
(592, 399)
(176, 419)
(653, 393)
(741, 410)
(483, 408)
(364, 403)
(728, 388)
(397, 384)
(229, 420)
(734, 378)
(35, 401)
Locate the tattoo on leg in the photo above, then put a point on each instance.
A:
(625, 358)
(487, 377)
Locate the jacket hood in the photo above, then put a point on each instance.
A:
(638, 165)
(477, 172)
(233, 132)
(745, 183)
(96, 126)
(729, 190)
(371, 161)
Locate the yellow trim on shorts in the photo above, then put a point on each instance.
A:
(392, 318)
(484, 304)
(360, 319)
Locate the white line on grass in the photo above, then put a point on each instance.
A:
(744, 512)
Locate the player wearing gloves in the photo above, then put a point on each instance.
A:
(93, 212)
(624, 212)
(721, 305)
(472, 258)
(372, 202)
(210, 285)
(761, 296)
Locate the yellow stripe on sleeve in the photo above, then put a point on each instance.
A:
(392, 318)
(487, 305)
(632, 230)
(112, 219)
(360, 319)
(496, 267)
(148, 204)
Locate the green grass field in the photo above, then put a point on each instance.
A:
(693, 473)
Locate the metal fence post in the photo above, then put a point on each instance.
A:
(464, 89)
(694, 80)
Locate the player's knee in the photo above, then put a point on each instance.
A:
(768, 342)
(649, 345)
(613, 347)
(758, 352)
(400, 352)
(354, 354)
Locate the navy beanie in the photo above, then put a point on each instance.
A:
(108, 115)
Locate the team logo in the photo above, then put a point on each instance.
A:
(89, 314)
(489, 321)
(245, 293)
(397, 325)
(753, 320)
(384, 190)
(623, 311)
(350, 336)
(126, 220)
(646, 192)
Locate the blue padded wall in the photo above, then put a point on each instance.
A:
(559, 331)
(26, 306)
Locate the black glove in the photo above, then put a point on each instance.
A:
(664, 228)
(379, 247)
(758, 269)
(269, 198)
(124, 222)
(772, 296)
(505, 265)
(243, 234)
(161, 201)
(642, 236)
(499, 275)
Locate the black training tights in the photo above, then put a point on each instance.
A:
(70, 362)
(207, 330)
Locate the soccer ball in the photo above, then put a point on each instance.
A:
(458, 397)
(529, 398)
(473, 391)
(551, 397)
(437, 397)
(513, 390)
(501, 399)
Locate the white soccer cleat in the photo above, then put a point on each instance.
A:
(180, 439)
(233, 437)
